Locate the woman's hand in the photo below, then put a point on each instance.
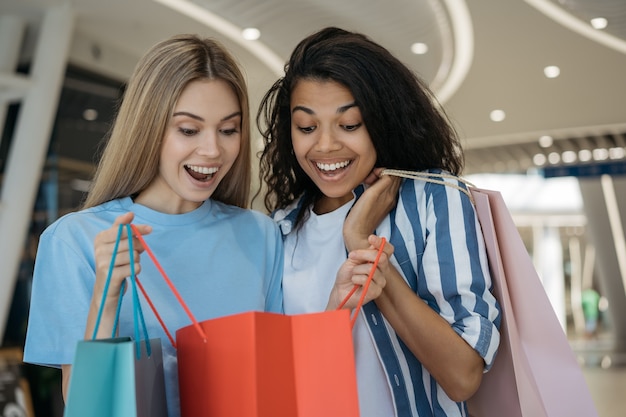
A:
(370, 209)
(104, 244)
(355, 271)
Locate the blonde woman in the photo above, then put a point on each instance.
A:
(176, 164)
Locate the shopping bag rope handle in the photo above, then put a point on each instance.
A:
(138, 317)
(428, 177)
(172, 287)
(365, 286)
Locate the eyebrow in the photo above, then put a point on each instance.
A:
(194, 116)
(340, 110)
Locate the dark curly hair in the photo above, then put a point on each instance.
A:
(408, 128)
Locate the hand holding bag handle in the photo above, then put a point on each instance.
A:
(137, 311)
(365, 286)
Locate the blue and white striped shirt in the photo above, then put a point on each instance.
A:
(440, 252)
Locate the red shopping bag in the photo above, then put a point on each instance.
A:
(535, 373)
(269, 365)
(258, 364)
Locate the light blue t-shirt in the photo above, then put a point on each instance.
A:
(222, 260)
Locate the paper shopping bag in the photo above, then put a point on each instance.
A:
(535, 373)
(269, 365)
(108, 380)
(119, 376)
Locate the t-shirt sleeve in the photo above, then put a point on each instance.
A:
(457, 271)
(62, 287)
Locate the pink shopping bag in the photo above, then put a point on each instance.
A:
(535, 373)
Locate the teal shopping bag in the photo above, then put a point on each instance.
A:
(108, 380)
(119, 376)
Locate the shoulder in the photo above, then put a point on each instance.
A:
(85, 222)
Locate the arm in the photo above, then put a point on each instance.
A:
(456, 366)
(441, 324)
(66, 370)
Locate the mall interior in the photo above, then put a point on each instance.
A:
(535, 89)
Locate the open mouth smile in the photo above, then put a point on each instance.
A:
(328, 168)
(199, 173)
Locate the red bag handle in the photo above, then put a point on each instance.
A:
(172, 287)
(365, 286)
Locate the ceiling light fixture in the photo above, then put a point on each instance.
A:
(221, 25)
(419, 48)
(251, 34)
(552, 71)
(90, 114)
(599, 23)
(539, 159)
(584, 155)
(554, 158)
(497, 115)
(546, 141)
(569, 157)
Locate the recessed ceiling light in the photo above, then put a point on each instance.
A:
(552, 71)
(617, 153)
(554, 158)
(251, 34)
(599, 23)
(545, 141)
(600, 154)
(584, 155)
(569, 156)
(419, 48)
(497, 115)
(539, 159)
(90, 114)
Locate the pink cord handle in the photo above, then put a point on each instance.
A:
(172, 287)
(365, 286)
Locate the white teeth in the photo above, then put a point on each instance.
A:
(332, 167)
(203, 170)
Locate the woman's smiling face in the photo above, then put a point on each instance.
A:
(201, 144)
(330, 140)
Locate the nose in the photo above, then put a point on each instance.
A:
(327, 142)
(208, 145)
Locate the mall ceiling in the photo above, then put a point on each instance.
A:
(482, 55)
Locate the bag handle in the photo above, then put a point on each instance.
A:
(365, 286)
(428, 177)
(137, 311)
(172, 287)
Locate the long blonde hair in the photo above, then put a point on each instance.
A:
(130, 160)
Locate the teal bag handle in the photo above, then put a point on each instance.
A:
(138, 317)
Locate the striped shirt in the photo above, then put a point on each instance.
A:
(440, 253)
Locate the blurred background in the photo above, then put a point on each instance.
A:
(535, 88)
